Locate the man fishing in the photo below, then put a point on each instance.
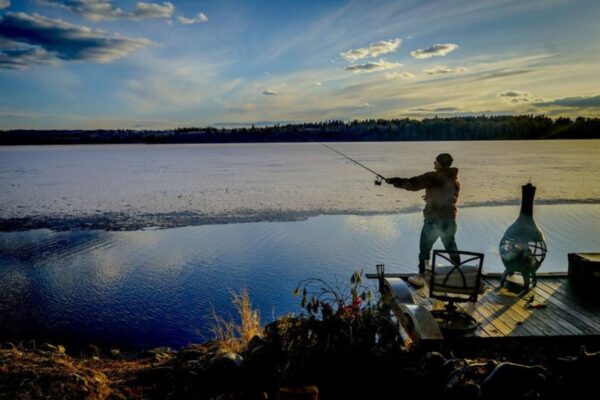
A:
(441, 193)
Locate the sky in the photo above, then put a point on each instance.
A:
(89, 64)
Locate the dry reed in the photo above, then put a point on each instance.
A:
(234, 336)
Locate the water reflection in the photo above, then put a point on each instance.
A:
(150, 288)
(381, 226)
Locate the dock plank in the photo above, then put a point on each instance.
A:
(501, 312)
(568, 314)
(526, 318)
(552, 318)
(490, 312)
(560, 290)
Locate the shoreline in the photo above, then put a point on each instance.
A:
(134, 221)
(265, 368)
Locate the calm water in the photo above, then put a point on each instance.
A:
(157, 287)
(127, 286)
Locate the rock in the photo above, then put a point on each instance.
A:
(578, 375)
(159, 353)
(195, 352)
(588, 361)
(437, 368)
(434, 360)
(80, 380)
(92, 351)
(228, 359)
(115, 353)
(224, 371)
(47, 347)
(8, 346)
(510, 380)
(191, 354)
(193, 364)
(255, 342)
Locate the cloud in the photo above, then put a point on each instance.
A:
(514, 93)
(402, 75)
(27, 40)
(373, 50)
(435, 50)
(152, 11)
(517, 97)
(441, 69)
(200, 19)
(14, 55)
(98, 10)
(373, 66)
(269, 92)
(439, 109)
(4, 4)
(574, 102)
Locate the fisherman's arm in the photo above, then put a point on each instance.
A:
(397, 182)
(413, 184)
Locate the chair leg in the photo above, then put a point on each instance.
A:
(451, 320)
(504, 276)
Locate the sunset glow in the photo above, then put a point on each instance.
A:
(154, 65)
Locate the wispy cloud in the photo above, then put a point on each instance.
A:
(98, 10)
(437, 110)
(373, 50)
(435, 50)
(401, 75)
(373, 66)
(175, 87)
(27, 40)
(4, 4)
(573, 102)
(441, 69)
(199, 19)
(269, 92)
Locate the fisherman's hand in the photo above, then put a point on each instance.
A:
(392, 181)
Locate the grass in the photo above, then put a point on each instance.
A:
(234, 336)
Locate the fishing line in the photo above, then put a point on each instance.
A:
(379, 177)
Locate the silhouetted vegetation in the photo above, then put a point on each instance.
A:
(521, 127)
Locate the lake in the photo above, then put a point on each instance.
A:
(262, 217)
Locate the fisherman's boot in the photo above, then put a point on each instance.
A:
(420, 280)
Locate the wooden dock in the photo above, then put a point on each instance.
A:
(550, 309)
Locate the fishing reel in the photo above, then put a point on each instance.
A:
(378, 181)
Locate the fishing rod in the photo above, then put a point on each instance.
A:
(378, 177)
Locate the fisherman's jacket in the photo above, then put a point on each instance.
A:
(441, 191)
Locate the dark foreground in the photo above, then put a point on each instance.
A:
(296, 357)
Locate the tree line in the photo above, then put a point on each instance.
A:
(509, 127)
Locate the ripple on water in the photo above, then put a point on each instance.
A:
(157, 287)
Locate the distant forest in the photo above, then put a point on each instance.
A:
(523, 127)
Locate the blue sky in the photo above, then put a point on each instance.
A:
(131, 64)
